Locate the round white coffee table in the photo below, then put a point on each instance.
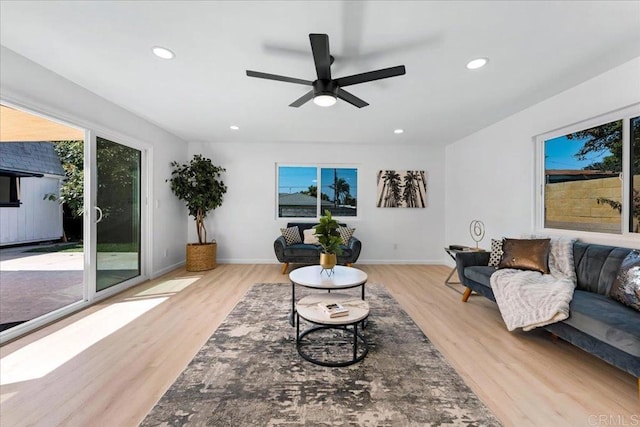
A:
(312, 277)
(308, 308)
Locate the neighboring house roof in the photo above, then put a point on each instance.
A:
(299, 199)
(31, 157)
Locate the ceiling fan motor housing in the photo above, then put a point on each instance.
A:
(325, 87)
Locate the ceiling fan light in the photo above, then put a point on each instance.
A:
(324, 100)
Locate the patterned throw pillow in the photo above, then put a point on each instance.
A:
(626, 287)
(496, 252)
(291, 235)
(346, 233)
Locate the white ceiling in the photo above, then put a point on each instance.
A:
(536, 49)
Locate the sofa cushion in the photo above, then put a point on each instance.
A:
(607, 320)
(302, 250)
(597, 266)
(346, 252)
(626, 287)
(291, 235)
(480, 274)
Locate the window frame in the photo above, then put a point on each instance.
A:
(318, 167)
(625, 114)
(14, 191)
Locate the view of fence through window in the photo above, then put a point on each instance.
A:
(298, 195)
(584, 179)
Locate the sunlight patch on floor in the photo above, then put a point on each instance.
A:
(169, 286)
(49, 353)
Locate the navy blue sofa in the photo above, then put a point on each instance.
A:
(597, 324)
(301, 253)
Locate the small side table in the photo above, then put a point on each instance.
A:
(452, 253)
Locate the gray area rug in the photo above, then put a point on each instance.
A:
(250, 374)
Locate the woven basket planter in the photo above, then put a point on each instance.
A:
(201, 257)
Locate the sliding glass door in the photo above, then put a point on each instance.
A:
(72, 228)
(118, 210)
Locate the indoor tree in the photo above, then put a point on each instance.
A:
(197, 183)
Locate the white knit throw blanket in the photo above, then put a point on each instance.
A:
(529, 299)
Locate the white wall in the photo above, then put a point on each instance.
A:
(490, 174)
(30, 85)
(36, 219)
(245, 226)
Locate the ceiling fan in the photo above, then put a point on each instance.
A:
(325, 89)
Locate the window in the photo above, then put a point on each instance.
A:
(591, 175)
(9, 191)
(298, 195)
(634, 174)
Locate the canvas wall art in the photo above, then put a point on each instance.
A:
(401, 189)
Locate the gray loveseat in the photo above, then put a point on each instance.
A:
(301, 253)
(597, 324)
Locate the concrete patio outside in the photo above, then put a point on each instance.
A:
(36, 283)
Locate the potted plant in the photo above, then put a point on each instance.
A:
(197, 183)
(329, 238)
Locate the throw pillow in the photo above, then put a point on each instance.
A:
(346, 233)
(291, 235)
(496, 253)
(626, 287)
(309, 236)
(526, 254)
(561, 262)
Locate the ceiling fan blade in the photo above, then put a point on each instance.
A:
(371, 76)
(304, 98)
(321, 55)
(351, 99)
(277, 77)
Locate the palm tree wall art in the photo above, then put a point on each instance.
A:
(401, 189)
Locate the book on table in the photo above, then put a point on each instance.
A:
(334, 309)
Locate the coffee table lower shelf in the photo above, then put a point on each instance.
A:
(308, 309)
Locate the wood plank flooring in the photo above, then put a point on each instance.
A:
(109, 364)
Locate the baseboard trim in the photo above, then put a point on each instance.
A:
(360, 261)
(166, 270)
(400, 261)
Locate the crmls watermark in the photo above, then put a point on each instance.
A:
(614, 420)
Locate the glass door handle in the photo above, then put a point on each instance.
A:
(99, 214)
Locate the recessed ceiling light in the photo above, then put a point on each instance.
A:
(163, 52)
(477, 63)
(234, 127)
(398, 131)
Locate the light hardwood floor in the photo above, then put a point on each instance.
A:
(109, 364)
